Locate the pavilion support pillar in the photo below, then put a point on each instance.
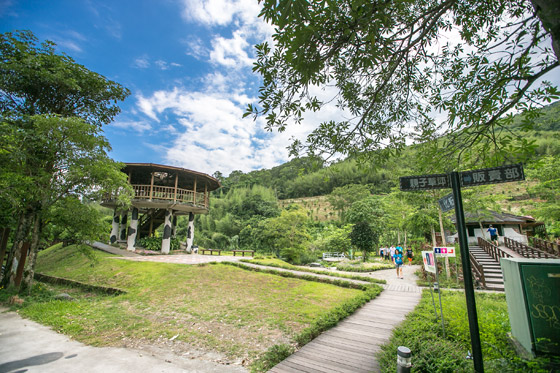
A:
(174, 227)
(124, 218)
(166, 241)
(115, 227)
(132, 230)
(190, 233)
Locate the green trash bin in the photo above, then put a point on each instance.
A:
(532, 289)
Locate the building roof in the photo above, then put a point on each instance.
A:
(493, 217)
(142, 172)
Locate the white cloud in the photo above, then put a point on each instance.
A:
(69, 40)
(161, 64)
(141, 62)
(212, 135)
(234, 50)
(196, 48)
(138, 126)
(231, 52)
(221, 12)
(68, 44)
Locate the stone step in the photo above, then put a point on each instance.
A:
(494, 276)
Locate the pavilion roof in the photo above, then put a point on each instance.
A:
(141, 173)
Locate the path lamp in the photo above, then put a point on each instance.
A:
(404, 357)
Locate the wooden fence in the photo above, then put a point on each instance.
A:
(492, 250)
(526, 251)
(546, 246)
(478, 271)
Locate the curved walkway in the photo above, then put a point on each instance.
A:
(352, 344)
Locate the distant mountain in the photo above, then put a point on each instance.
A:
(309, 177)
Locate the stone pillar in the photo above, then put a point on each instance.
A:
(132, 230)
(190, 233)
(166, 241)
(122, 236)
(115, 227)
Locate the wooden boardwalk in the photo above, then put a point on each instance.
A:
(350, 347)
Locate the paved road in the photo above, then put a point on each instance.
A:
(26, 346)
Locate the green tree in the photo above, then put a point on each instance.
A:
(547, 172)
(398, 62)
(51, 145)
(289, 230)
(370, 210)
(364, 237)
(70, 219)
(367, 215)
(334, 239)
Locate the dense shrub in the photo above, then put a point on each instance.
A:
(154, 243)
(431, 352)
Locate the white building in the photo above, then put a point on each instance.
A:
(516, 227)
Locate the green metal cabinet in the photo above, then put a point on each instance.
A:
(533, 297)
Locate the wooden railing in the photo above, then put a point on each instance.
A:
(478, 271)
(178, 195)
(526, 251)
(170, 194)
(492, 250)
(546, 246)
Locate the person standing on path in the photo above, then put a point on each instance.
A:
(393, 249)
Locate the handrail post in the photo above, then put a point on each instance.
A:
(152, 187)
(176, 182)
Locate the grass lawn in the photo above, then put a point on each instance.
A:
(221, 308)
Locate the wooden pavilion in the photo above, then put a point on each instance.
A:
(161, 193)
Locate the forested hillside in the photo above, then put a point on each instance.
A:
(308, 177)
(303, 206)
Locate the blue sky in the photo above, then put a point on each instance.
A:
(188, 66)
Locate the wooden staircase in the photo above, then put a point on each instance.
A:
(150, 221)
(492, 278)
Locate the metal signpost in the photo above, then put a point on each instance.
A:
(455, 180)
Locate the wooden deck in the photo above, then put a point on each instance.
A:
(350, 347)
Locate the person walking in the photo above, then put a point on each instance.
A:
(399, 263)
(493, 235)
(409, 255)
(392, 250)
